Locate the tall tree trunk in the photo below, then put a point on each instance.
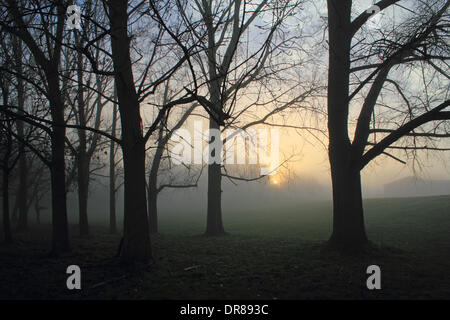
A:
(136, 238)
(60, 233)
(112, 173)
(23, 185)
(214, 225)
(82, 156)
(348, 224)
(6, 222)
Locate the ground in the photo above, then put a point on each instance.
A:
(270, 254)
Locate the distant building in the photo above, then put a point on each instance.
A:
(416, 187)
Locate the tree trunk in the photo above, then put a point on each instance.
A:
(348, 222)
(214, 225)
(83, 189)
(152, 192)
(112, 174)
(152, 201)
(348, 215)
(136, 238)
(60, 236)
(60, 233)
(22, 223)
(23, 185)
(82, 156)
(38, 211)
(14, 215)
(6, 222)
(112, 204)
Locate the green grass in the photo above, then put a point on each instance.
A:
(268, 254)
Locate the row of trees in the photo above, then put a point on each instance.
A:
(130, 54)
(138, 70)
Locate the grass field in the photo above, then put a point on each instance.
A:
(268, 254)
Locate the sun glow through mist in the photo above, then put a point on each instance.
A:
(276, 180)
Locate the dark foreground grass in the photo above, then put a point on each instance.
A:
(268, 254)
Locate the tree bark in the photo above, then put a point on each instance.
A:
(214, 225)
(136, 238)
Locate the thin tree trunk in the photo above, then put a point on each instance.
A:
(82, 156)
(152, 199)
(152, 191)
(23, 185)
(214, 225)
(6, 221)
(112, 174)
(38, 211)
(15, 212)
(83, 189)
(153, 210)
(136, 238)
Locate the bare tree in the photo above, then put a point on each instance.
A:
(227, 64)
(88, 109)
(362, 66)
(136, 240)
(153, 188)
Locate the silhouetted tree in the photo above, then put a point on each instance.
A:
(363, 62)
(228, 63)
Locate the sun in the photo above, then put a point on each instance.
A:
(275, 180)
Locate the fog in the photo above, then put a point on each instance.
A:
(303, 180)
